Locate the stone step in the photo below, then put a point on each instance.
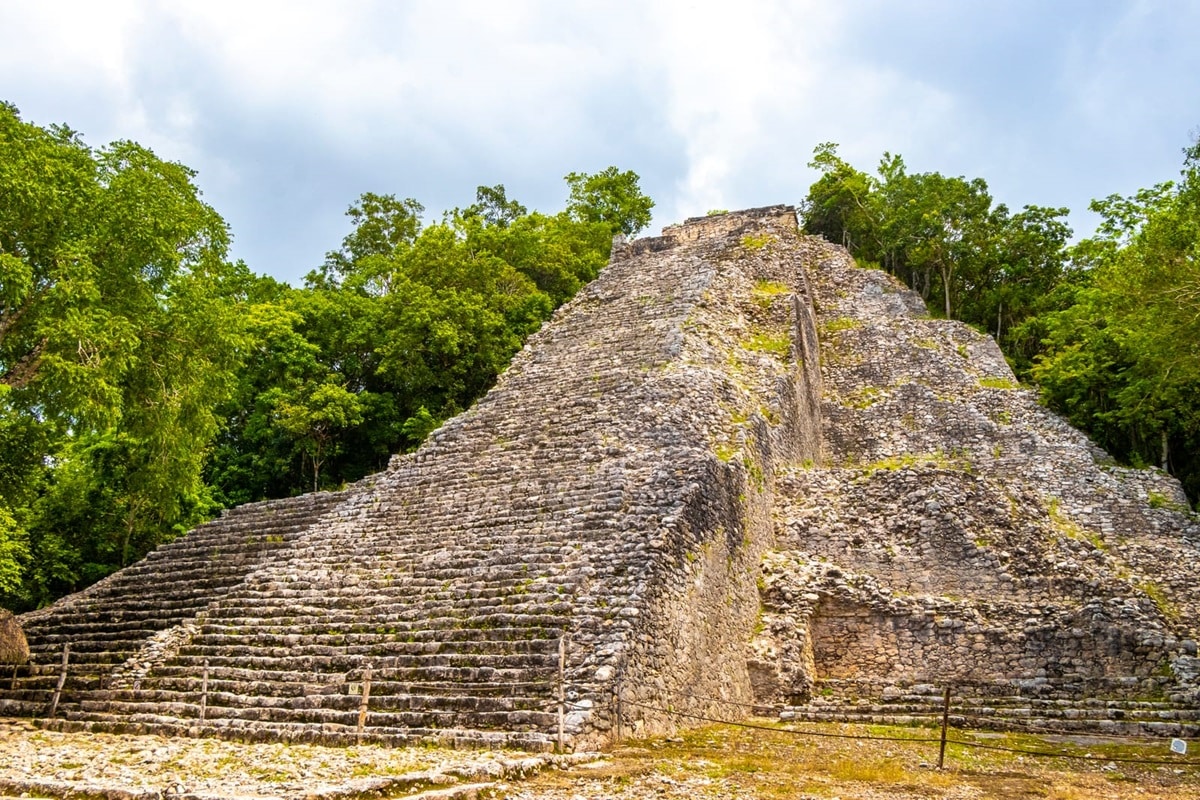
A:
(275, 671)
(385, 644)
(257, 731)
(411, 633)
(80, 634)
(354, 659)
(297, 684)
(396, 597)
(432, 718)
(19, 705)
(345, 617)
(83, 656)
(399, 633)
(220, 695)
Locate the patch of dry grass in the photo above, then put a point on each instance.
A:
(732, 762)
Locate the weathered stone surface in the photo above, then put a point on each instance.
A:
(957, 532)
(735, 470)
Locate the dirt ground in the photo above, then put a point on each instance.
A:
(808, 761)
(736, 763)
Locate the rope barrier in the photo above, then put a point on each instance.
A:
(933, 714)
(1023, 726)
(468, 684)
(562, 704)
(920, 740)
(755, 726)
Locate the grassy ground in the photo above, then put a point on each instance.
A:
(727, 762)
(731, 762)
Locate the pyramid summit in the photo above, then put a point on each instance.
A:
(736, 471)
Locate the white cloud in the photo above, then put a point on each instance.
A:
(289, 110)
(82, 42)
(753, 87)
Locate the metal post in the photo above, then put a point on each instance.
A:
(204, 691)
(945, 725)
(562, 692)
(366, 698)
(62, 679)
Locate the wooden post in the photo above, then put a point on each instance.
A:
(562, 692)
(62, 679)
(204, 691)
(619, 722)
(945, 725)
(366, 698)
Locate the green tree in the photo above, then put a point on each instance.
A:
(316, 419)
(1120, 358)
(842, 205)
(967, 257)
(611, 197)
(117, 336)
(404, 326)
(494, 208)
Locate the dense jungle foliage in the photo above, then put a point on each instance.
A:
(146, 381)
(1108, 329)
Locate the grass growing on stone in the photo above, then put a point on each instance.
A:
(998, 383)
(1157, 499)
(765, 292)
(905, 460)
(752, 242)
(1160, 599)
(863, 398)
(840, 324)
(755, 472)
(1070, 528)
(726, 452)
(779, 345)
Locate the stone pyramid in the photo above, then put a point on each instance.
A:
(736, 472)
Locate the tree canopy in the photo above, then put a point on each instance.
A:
(1107, 328)
(1122, 355)
(969, 258)
(146, 381)
(118, 331)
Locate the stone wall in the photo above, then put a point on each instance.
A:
(748, 358)
(958, 532)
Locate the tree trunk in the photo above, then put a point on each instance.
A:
(946, 274)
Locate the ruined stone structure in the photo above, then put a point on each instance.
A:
(735, 471)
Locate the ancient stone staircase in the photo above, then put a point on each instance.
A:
(112, 621)
(459, 639)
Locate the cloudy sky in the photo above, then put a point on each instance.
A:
(290, 110)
